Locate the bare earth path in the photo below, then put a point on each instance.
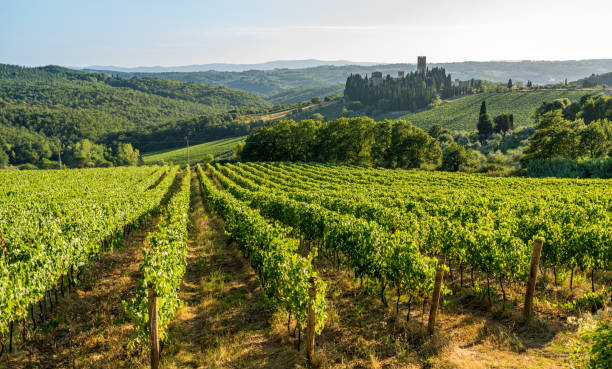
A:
(224, 323)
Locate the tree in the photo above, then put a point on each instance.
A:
(317, 116)
(510, 83)
(554, 137)
(454, 158)
(596, 138)
(4, 159)
(485, 126)
(503, 123)
(127, 155)
(483, 108)
(435, 130)
(315, 100)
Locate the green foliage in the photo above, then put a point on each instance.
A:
(454, 158)
(383, 222)
(570, 168)
(462, 113)
(556, 136)
(85, 212)
(503, 123)
(163, 266)
(317, 116)
(396, 144)
(590, 301)
(27, 166)
(594, 350)
(4, 159)
(44, 108)
(414, 91)
(595, 80)
(284, 274)
(485, 126)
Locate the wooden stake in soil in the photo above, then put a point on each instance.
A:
(533, 274)
(310, 339)
(435, 298)
(153, 329)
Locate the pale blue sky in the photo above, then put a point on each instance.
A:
(181, 32)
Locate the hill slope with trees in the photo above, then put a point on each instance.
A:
(47, 108)
(462, 113)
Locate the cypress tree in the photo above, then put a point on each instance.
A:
(485, 126)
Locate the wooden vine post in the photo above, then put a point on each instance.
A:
(533, 273)
(435, 298)
(153, 329)
(310, 339)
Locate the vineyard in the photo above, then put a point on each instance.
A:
(197, 153)
(351, 255)
(462, 113)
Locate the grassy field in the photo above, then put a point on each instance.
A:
(196, 152)
(462, 113)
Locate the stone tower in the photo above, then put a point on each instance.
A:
(421, 64)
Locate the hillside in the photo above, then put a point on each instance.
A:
(298, 94)
(271, 82)
(595, 80)
(197, 153)
(40, 107)
(462, 113)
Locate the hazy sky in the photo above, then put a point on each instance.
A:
(181, 32)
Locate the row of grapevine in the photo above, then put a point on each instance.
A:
(369, 249)
(163, 266)
(54, 222)
(478, 223)
(284, 275)
(471, 220)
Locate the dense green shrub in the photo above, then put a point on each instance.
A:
(570, 168)
(27, 166)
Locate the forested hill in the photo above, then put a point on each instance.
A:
(41, 107)
(32, 84)
(595, 80)
(271, 82)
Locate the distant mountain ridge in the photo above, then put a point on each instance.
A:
(228, 67)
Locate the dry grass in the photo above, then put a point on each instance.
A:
(224, 323)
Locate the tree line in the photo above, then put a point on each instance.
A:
(361, 140)
(414, 91)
